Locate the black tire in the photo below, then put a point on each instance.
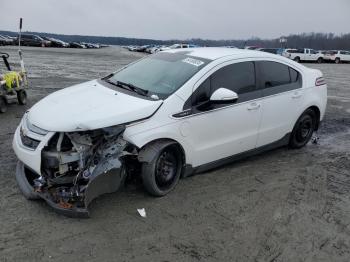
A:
(303, 129)
(320, 60)
(297, 59)
(337, 60)
(161, 175)
(22, 97)
(3, 105)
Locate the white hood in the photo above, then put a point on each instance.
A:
(89, 106)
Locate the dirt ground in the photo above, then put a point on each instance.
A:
(284, 205)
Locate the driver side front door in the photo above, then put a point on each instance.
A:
(220, 130)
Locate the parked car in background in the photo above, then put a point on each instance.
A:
(328, 55)
(269, 50)
(33, 40)
(152, 49)
(280, 51)
(10, 37)
(76, 45)
(175, 46)
(90, 45)
(306, 54)
(5, 40)
(157, 48)
(56, 42)
(142, 48)
(338, 56)
(251, 47)
(286, 52)
(132, 47)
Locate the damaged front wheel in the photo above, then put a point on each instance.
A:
(161, 175)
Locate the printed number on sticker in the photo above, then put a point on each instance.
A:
(193, 61)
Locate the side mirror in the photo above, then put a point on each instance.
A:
(224, 95)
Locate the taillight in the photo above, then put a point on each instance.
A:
(320, 81)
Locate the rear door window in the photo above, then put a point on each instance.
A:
(277, 78)
(275, 74)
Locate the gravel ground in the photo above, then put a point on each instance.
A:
(284, 205)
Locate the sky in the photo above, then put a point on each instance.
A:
(178, 19)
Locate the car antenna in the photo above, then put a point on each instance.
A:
(20, 53)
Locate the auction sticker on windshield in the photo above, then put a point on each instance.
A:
(193, 61)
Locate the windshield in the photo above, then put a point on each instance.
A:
(160, 74)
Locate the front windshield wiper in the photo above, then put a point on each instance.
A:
(134, 88)
(129, 86)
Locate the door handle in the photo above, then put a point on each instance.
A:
(253, 106)
(296, 95)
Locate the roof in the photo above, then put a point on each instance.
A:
(213, 53)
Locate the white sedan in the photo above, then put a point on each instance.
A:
(166, 116)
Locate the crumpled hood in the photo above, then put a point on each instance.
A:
(89, 106)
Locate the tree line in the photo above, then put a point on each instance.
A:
(319, 41)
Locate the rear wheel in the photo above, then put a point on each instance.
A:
(161, 175)
(303, 129)
(22, 97)
(337, 60)
(3, 105)
(297, 59)
(320, 60)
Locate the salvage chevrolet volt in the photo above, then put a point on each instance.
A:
(164, 117)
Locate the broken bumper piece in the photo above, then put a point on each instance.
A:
(106, 182)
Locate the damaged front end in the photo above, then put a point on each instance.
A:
(78, 167)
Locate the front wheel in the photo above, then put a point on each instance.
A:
(337, 60)
(161, 175)
(303, 129)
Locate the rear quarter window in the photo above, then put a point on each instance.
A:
(294, 75)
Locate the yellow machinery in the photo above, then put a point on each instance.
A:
(13, 83)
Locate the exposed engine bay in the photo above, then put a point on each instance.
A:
(78, 167)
